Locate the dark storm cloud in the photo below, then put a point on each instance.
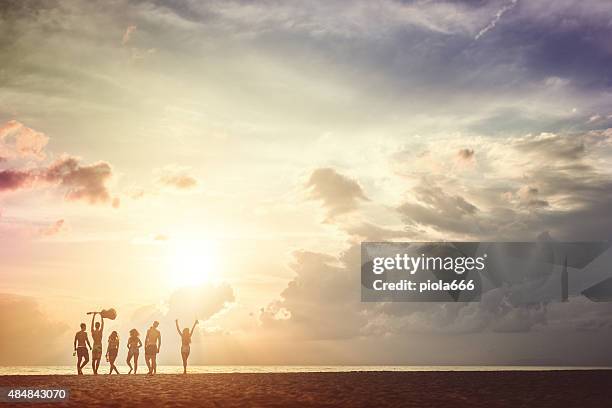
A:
(319, 302)
(569, 41)
(549, 182)
(566, 40)
(13, 8)
(429, 50)
(408, 57)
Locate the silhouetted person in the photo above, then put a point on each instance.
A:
(112, 351)
(81, 342)
(133, 345)
(186, 342)
(96, 335)
(152, 346)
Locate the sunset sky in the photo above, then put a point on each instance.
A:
(223, 160)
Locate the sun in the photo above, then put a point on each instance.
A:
(192, 262)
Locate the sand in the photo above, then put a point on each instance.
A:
(351, 389)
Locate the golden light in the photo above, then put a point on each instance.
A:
(192, 262)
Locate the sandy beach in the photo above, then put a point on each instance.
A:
(355, 389)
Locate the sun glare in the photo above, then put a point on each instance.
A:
(191, 263)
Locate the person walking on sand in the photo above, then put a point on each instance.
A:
(152, 346)
(112, 350)
(186, 342)
(81, 342)
(133, 345)
(96, 335)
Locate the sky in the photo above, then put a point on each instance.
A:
(223, 160)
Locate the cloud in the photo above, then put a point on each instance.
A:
(438, 209)
(552, 146)
(496, 19)
(136, 193)
(22, 325)
(128, 34)
(176, 177)
(528, 196)
(81, 182)
(518, 188)
(20, 141)
(339, 194)
(371, 232)
(199, 302)
(466, 155)
(167, 179)
(11, 180)
(319, 302)
(52, 229)
(359, 19)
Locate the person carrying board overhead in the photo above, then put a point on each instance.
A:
(96, 335)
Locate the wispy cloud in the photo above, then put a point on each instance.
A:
(176, 177)
(127, 35)
(496, 19)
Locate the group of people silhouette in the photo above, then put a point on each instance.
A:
(152, 346)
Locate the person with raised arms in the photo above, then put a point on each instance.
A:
(96, 335)
(185, 342)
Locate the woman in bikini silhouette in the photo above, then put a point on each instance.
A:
(112, 351)
(133, 345)
(186, 342)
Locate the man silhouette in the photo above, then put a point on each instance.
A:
(152, 346)
(96, 335)
(80, 340)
